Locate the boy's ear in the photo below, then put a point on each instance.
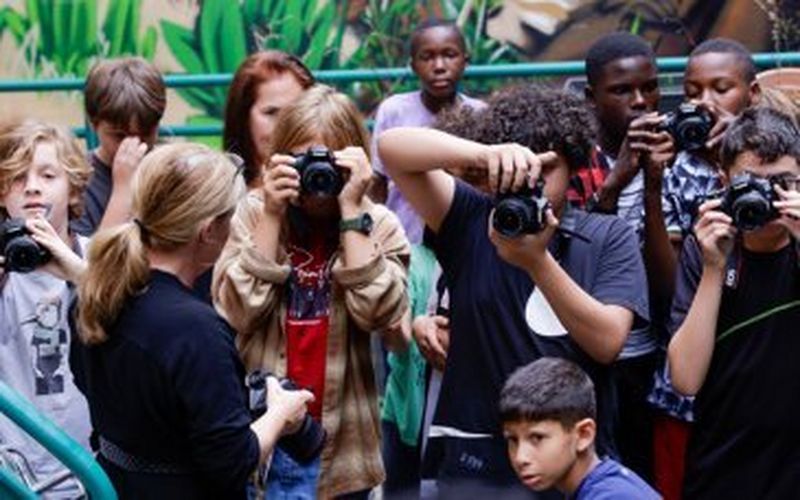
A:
(586, 430)
(755, 92)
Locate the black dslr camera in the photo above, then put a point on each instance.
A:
(22, 253)
(748, 201)
(319, 175)
(305, 444)
(689, 126)
(523, 212)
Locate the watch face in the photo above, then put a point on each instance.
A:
(366, 223)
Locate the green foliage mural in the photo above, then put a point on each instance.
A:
(61, 37)
(225, 31)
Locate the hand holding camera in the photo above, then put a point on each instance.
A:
(522, 225)
(28, 245)
(354, 163)
(715, 234)
(511, 166)
(788, 207)
(280, 184)
(303, 437)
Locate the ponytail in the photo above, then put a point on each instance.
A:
(118, 269)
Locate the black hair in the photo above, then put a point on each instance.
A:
(614, 46)
(548, 389)
(765, 132)
(539, 117)
(434, 22)
(728, 46)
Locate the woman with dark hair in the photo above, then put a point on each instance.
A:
(263, 85)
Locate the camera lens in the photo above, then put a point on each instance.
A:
(751, 211)
(23, 255)
(511, 217)
(692, 134)
(321, 179)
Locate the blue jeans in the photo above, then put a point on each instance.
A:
(289, 480)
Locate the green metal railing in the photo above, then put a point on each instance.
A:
(56, 441)
(520, 70)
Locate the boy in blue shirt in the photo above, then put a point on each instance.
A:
(548, 412)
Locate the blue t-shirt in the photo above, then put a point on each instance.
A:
(500, 321)
(610, 480)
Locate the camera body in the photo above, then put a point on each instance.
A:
(22, 253)
(307, 442)
(520, 213)
(748, 201)
(689, 126)
(319, 175)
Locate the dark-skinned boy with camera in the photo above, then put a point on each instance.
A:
(735, 316)
(633, 147)
(573, 289)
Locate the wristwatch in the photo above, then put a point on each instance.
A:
(363, 224)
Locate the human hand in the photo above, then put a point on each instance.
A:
(354, 162)
(722, 120)
(280, 184)
(289, 406)
(715, 234)
(65, 263)
(129, 154)
(789, 209)
(432, 334)
(527, 250)
(655, 148)
(511, 166)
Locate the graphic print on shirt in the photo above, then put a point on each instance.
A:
(50, 346)
(307, 318)
(541, 318)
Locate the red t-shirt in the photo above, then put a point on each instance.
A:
(307, 317)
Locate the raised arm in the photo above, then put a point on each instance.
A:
(416, 159)
(692, 346)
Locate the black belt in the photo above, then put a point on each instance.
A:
(133, 463)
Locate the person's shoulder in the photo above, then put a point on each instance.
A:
(611, 480)
(593, 224)
(396, 102)
(472, 102)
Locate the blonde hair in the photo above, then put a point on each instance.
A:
(320, 112)
(18, 142)
(176, 189)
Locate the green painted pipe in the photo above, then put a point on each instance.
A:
(533, 69)
(12, 488)
(56, 441)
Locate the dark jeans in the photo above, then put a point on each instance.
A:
(402, 464)
(634, 435)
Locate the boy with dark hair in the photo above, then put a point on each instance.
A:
(720, 76)
(124, 101)
(438, 56)
(624, 178)
(573, 289)
(548, 412)
(735, 339)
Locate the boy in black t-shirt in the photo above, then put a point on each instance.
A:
(735, 316)
(548, 411)
(124, 101)
(572, 290)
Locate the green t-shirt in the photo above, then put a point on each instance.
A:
(404, 400)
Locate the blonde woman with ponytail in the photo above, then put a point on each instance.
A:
(158, 365)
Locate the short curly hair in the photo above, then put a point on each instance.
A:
(539, 117)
